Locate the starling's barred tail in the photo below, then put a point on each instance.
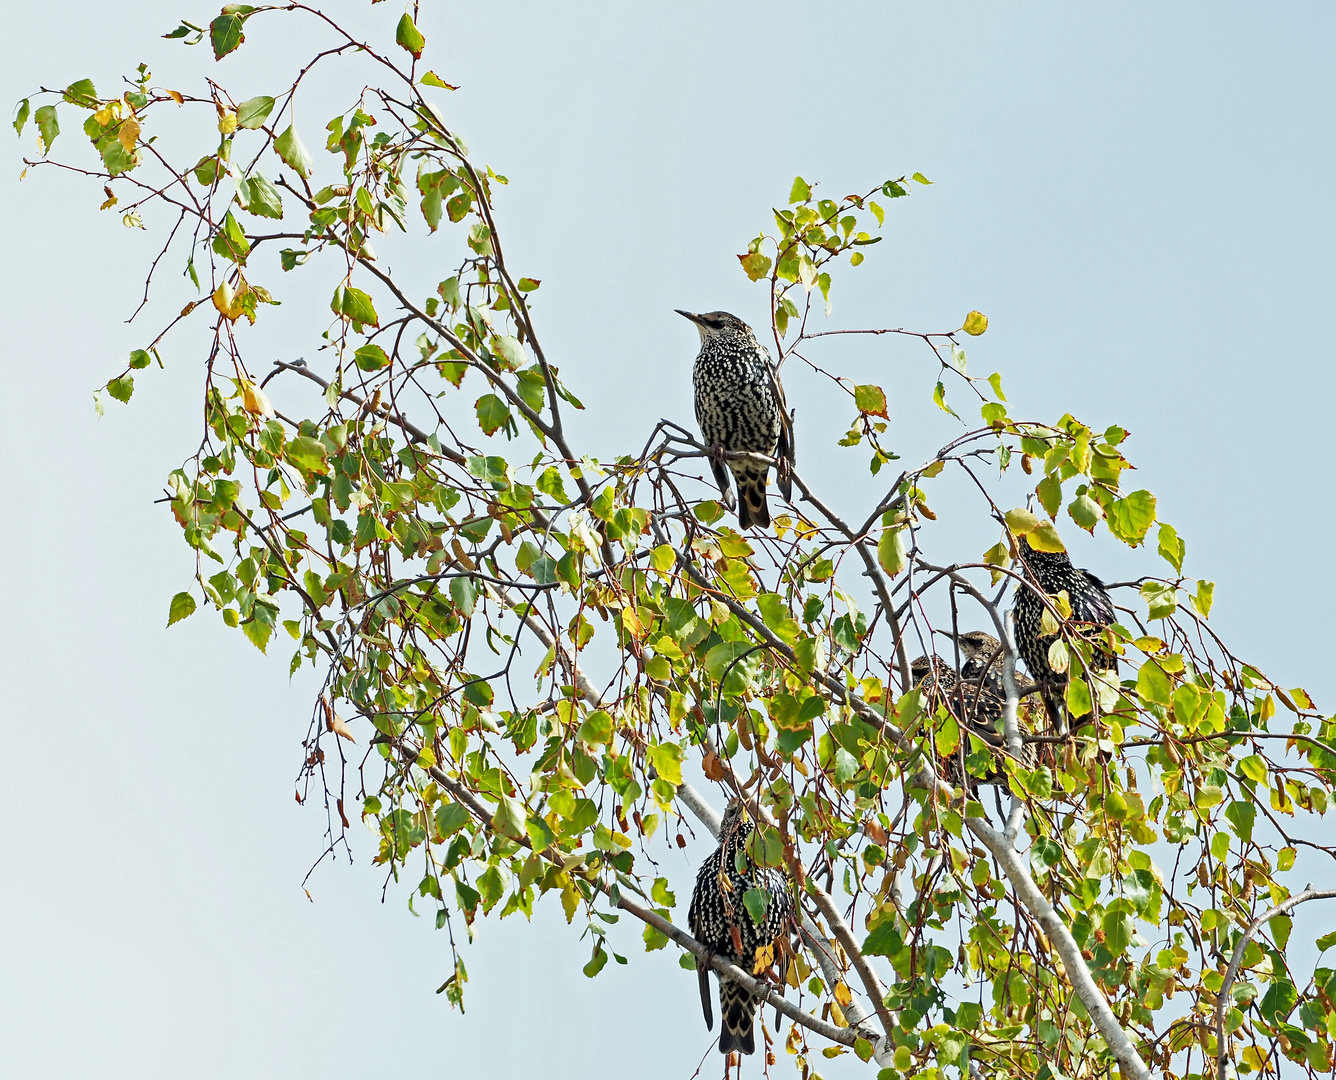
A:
(737, 1013)
(752, 506)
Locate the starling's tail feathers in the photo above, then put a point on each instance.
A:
(737, 1014)
(752, 506)
(703, 973)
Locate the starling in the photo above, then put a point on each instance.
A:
(982, 704)
(720, 920)
(1052, 573)
(740, 406)
(983, 654)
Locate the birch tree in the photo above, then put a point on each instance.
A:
(521, 645)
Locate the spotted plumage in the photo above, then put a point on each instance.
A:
(1052, 572)
(719, 919)
(740, 407)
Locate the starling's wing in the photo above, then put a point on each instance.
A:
(694, 921)
(786, 451)
(1097, 608)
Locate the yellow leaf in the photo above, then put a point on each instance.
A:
(227, 121)
(843, 994)
(1020, 521)
(976, 322)
(223, 300)
(129, 133)
(255, 402)
(176, 96)
(631, 623)
(1057, 657)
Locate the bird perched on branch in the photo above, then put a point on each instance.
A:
(740, 407)
(721, 918)
(976, 697)
(1052, 573)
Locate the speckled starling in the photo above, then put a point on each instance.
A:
(740, 407)
(720, 919)
(973, 700)
(1052, 573)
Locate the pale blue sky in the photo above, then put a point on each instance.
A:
(1137, 195)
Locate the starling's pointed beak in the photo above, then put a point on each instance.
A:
(688, 315)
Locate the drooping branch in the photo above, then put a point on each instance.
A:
(1224, 1069)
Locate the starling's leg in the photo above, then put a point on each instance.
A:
(720, 471)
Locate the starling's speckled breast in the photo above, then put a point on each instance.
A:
(740, 407)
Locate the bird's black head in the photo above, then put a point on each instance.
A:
(717, 324)
(979, 647)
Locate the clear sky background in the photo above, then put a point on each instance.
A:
(1138, 196)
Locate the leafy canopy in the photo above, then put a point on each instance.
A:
(418, 522)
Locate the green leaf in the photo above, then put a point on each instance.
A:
(1204, 597)
(510, 817)
(667, 761)
(891, 551)
(121, 388)
(225, 35)
(1254, 768)
(464, 594)
(540, 833)
(450, 818)
(293, 153)
(508, 349)
(600, 958)
(1161, 599)
(257, 632)
(183, 606)
(1153, 684)
(230, 241)
(48, 127)
(1172, 548)
(21, 116)
(756, 902)
(596, 729)
(409, 37)
(371, 357)
(262, 198)
(1085, 512)
(800, 192)
(1279, 1001)
(735, 663)
(253, 112)
(492, 413)
(1242, 816)
(432, 79)
(354, 304)
(918, 176)
(1130, 518)
(885, 940)
(1049, 490)
(1078, 697)
(307, 453)
(870, 400)
(140, 359)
